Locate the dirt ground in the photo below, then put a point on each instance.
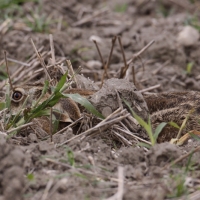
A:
(95, 167)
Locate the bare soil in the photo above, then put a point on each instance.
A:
(97, 167)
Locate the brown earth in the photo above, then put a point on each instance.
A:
(97, 167)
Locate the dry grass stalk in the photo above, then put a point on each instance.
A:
(71, 71)
(120, 192)
(19, 127)
(81, 170)
(130, 135)
(106, 66)
(18, 62)
(41, 61)
(52, 50)
(135, 56)
(182, 158)
(150, 88)
(71, 125)
(99, 52)
(122, 51)
(46, 191)
(106, 124)
(90, 18)
(6, 61)
(103, 125)
(121, 138)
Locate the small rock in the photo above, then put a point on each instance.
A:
(62, 185)
(106, 98)
(33, 138)
(94, 64)
(189, 36)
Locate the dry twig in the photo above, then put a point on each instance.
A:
(120, 192)
(99, 52)
(150, 88)
(123, 53)
(182, 158)
(41, 61)
(135, 56)
(115, 117)
(46, 191)
(19, 127)
(91, 17)
(6, 61)
(71, 70)
(106, 66)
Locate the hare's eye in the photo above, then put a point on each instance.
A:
(17, 95)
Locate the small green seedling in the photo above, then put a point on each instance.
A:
(147, 126)
(30, 177)
(38, 23)
(189, 68)
(193, 21)
(70, 156)
(181, 188)
(121, 8)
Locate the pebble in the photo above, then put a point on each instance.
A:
(189, 36)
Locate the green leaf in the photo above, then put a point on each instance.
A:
(70, 156)
(158, 130)
(44, 91)
(189, 162)
(175, 125)
(30, 177)
(142, 144)
(2, 105)
(42, 106)
(61, 83)
(189, 67)
(55, 125)
(81, 176)
(194, 136)
(55, 99)
(146, 126)
(41, 113)
(84, 102)
(121, 8)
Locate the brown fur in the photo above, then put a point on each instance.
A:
(174, 107)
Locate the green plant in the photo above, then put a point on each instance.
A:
(190, 164)
(9, 3)
(38, 23)
(189, 67)
(121, 8)
(193, 21)
(162, 9)
(180, 187)
(13, 10)
(30, 177)
(38, 109)
(70, 156)
(147, 126)
(178, 140)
